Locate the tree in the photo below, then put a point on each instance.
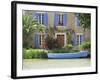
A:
(30, 26)
(85, 20)
(51, 31)
(69, 33)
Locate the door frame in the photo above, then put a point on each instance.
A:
(61, 34)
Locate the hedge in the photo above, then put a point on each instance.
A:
(34, 53)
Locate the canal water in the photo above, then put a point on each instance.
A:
(55, 63)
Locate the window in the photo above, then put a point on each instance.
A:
(60, 19)
(41, 18)
(42, 40)
(79, 38)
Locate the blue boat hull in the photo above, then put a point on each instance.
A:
(68, 55)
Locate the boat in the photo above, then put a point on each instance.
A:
(81, 54)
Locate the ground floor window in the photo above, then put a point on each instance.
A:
(79, 38)
(41, 42)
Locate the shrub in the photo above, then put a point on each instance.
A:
(75, 50)
(44, 54)
(27, 54)
(62, 51)
(34, 53)
(52, 42)
(69, 46)
(85, 45)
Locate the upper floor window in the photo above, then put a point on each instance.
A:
(60, 19)
(41, 18)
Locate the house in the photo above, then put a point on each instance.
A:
(62, 21)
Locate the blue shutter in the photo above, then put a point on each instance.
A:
(42, 18)
(36, 40)
(77, 23)
(35, 16)
(74, 39)
(56, 20)
(80, 38)
(64, 19)
(45, 20)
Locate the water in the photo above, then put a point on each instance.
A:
(55, 63)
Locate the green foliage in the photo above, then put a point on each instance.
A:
(28, 30)
(51, 41)
(85, 20)
(34, 53)
(86, 45)
(69, 33)
(62, 51)
(69, 46)
(26, 55)
(30, 26)
(51, 31)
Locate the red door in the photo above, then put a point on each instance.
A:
(60, 39)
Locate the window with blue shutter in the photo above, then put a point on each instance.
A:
(74, 39)
(56, 19)
(64, 19)
(60, 19)
(41, 18)
(81, 38)
(36, 40)
(45, 19)
(35, 16)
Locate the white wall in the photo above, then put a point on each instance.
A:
(5, 40)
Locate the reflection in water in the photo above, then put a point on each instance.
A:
(55, 63)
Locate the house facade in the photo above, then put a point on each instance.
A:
(62, 21)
